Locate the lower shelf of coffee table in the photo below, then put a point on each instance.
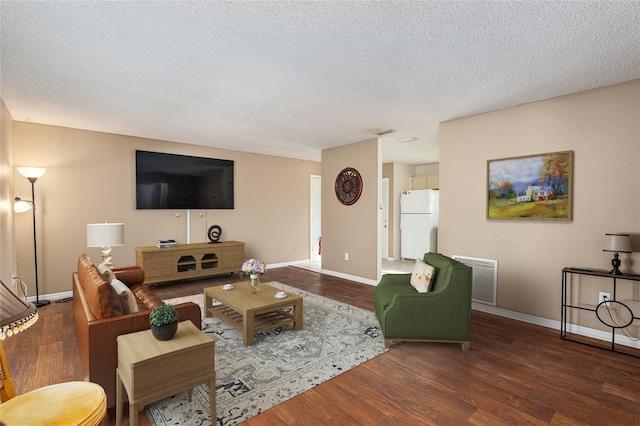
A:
(261, 322)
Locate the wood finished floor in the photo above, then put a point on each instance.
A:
(514, 374)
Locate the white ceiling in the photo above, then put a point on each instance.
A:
(294, 78)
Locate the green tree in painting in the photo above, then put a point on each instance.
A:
(503, 190)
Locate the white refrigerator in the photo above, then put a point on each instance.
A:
(418, 223)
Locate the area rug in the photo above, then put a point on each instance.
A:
(281, 364)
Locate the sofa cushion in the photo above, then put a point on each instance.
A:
(422, 276)
(84, 263)
(102, 299)
(129, 303)
(105, 271)
(443, 265)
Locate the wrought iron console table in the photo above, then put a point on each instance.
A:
(601, 308)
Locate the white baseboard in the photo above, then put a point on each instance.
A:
(283, 264)
(52, 296)
(349, 277)
(326, 272)
(556, 325)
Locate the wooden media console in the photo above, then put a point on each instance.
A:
(189, 261)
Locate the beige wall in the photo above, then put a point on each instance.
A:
(91, 178)
(602, 127)
(7, 253)
(428, 169)
(352, 229)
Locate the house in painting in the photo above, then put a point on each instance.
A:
(539, 193)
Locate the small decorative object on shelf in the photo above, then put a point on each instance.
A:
(166, 243)
(164, 322)
(617, 243)
(214, 233)
(253, 267)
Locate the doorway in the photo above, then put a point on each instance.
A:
(384, 234)
(315, 219)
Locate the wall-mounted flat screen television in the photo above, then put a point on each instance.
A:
(172, 181)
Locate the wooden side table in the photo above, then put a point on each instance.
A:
(150, 370)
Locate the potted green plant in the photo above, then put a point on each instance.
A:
(164, 321)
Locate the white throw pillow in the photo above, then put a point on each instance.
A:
(105, 271)
(129, 303)
(422, 276)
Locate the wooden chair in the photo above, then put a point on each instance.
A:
(6, 385)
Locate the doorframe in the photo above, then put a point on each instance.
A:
(315, 216)
(385, 219)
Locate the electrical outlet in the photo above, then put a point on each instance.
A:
(15, 281)
(346, 256)
(604, 297)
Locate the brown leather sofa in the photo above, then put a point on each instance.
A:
(99, 319)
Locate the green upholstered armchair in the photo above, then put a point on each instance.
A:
(441, 315)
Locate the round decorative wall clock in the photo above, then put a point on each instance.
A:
(348, 186)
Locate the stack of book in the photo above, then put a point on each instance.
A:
(166, 243)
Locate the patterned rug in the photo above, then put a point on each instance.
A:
(281, 364)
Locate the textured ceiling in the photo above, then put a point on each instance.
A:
(293, 78)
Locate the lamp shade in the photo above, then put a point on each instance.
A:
(32, 172)
(16, 315)
(105, 234)
(618, 243)
(21, 206)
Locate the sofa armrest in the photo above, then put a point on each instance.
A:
(130, 275)
(395, 279)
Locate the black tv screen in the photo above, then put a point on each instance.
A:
(172, 181)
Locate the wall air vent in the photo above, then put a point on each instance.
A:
(484, 282)
(381, 132)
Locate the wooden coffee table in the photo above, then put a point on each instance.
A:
(252, 312)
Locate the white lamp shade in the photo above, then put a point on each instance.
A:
(105, 234)
(32, 172)
(21, 206)
(619, 243)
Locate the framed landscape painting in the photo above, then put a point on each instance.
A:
(533, 187)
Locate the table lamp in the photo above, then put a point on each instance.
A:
(617, 243)
(16, 315)
(105, 235)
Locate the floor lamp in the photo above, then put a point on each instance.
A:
(32, 173)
